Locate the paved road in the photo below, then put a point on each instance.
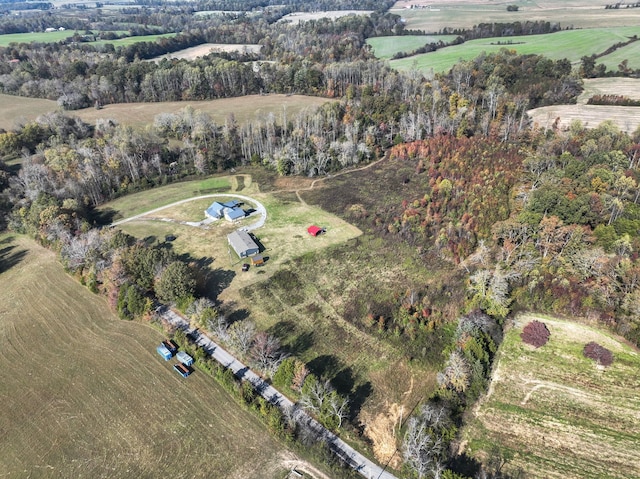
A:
(260, 210)
(353, 458)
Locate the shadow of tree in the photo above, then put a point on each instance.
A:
(325, 366)
(9, 257)
(464, 465)
(102, 217)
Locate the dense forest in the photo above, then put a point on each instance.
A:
(529, 218)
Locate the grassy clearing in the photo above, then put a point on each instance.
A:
(560, 414)
(298, 17)
(626, 118)
(17, 110)
(86, 395)
(570, 44)
(467, 13)
(387, 47)
(244, 109)
(629, 87)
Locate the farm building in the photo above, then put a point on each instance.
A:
(164, 352)
(257, 260)
(184, 358)
(229, 210)
(315, 230)
(183, 370)
(170, 345)
(242, 243)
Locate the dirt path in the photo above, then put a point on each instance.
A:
(344, 172)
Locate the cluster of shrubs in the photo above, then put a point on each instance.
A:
(537, 334)
(615, 100)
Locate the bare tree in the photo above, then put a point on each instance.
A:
(421, 449)
(241, 335)
(266, 353)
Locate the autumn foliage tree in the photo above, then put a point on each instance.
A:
(598, 353)
(535, 333)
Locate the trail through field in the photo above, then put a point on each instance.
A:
(328, 177)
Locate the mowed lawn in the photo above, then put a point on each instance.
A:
(569, 44)
(559, 414)
(85, 394)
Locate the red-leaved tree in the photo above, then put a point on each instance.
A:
(598, 353)
(535, 333)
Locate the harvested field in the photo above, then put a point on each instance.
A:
(627, 118)
(434, 16)
(86, 395)
(17, 110)
(206, 48)
(558, 413)
(244, 108)
(298, 17)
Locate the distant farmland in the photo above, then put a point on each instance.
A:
(570, 44)
(205, 49)
(85, 394)
(627, 118)
(246, 108)
(386, 47)
(467, 13)
(556, 413)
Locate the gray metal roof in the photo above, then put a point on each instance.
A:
(241, 242)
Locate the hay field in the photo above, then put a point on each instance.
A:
(627, 118)
(467, 13)
(556, 411)
(244, 108)
(570, 44)
(630, 53)
(206, 48)
(18, 110)
(86, 395)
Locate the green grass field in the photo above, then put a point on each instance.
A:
(570, 44)
(123, 42)
(386, 47)
(631, 53)
(467, 13)
(555, 411)
(85, 394)
(40, 37)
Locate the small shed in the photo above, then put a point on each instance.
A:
(242, 243)
(257, 260)
(184, 358)
(164, 352)
(315, 230)
(183, 370)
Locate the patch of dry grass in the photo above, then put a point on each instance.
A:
(18, 110)
(560, 414)
(85, 394)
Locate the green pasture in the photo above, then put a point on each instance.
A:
(557, 413)
(386, 47)
(570, 44)
(85, 394)
(39, 37)
(631, 53)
